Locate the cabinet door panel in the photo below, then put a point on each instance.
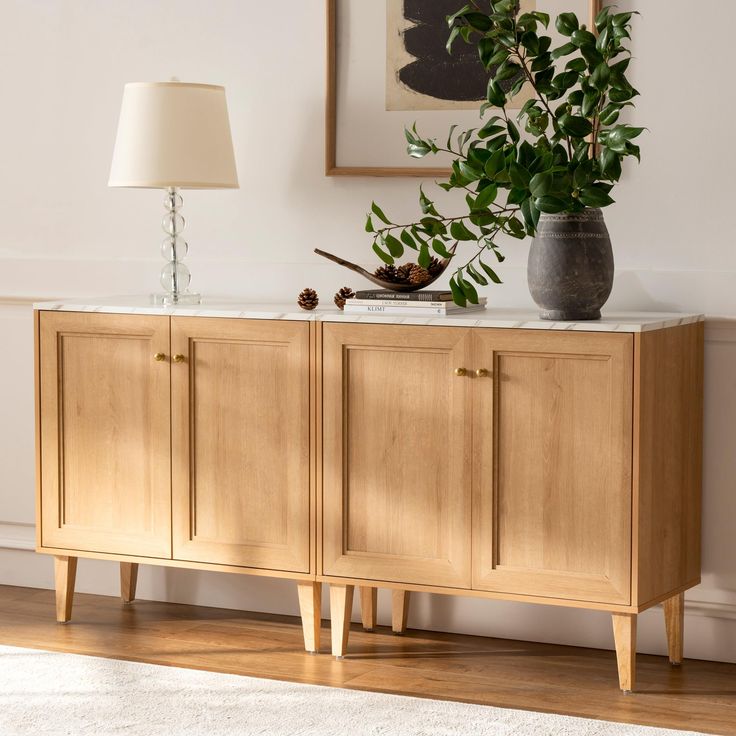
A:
(105, 410)
(396, 454)
(241, 434)
(552, 475)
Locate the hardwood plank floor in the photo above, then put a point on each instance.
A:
(698, 696)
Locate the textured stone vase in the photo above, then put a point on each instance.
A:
(570, 268)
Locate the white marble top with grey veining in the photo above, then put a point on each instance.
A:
(500, 318)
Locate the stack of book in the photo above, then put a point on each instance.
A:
(412, 303)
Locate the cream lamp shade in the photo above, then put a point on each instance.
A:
(174, 134)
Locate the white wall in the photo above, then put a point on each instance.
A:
(63, 232)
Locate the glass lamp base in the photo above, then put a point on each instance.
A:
(169, 299)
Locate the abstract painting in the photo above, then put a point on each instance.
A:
(420, 74)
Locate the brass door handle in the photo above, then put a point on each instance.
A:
(159, 357)
(482, 373)
(179, 358)
(461, 372)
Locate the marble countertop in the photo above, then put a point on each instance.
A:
(499, 318)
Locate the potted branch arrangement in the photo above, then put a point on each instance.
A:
(545, 175)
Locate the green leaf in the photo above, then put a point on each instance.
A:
(541, 184)
(495, 164)
(449, 137)
(477, 277)
(496, 96)
(567, 23)
(395, 248)
(564, 50)
(520, 177)
(454, 33)
(490, 129)
(379, 213)
(407, 239)
(459, 231)
(550, 204)
(576, 65)
(469, 173)
(492, 275)
(468, 289)
(594, 196)
(601, 75)
(488, 54)
(440, 248)
(432, 226)
(424, 258)
(575, 126)
(583, 38)
(418, 150)
(479, 21)
(507, 70)
(531, 216)
(486, 196)
(513, 132)
(369, 225)
(610, 163)
(457, 293)
(385, 257)
(426, 204)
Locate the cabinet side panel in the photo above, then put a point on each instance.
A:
(668, 458)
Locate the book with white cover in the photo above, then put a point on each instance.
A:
(410, 311)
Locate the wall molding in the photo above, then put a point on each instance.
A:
(17, 536)
(720, 329)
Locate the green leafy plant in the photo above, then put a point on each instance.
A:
(563, 152)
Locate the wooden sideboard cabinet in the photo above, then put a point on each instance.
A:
(177, 441)
(484, 456)
(547, 466)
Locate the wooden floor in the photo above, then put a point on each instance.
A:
(698, 696)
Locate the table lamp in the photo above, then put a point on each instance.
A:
(172, 136)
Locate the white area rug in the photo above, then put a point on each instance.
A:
(48, 694)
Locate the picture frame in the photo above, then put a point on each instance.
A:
(336, 112)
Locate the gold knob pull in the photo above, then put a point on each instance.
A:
(179, 358)
(460, 372)
(159, 357)
(482, 373)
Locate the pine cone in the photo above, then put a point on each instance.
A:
(386, 273)
(308, 299)
(404, 272)
(435, 266)
(418, 275)
(342, 296)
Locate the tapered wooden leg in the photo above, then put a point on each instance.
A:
(341, 606)
(624, 633)
(65, 573)
(674, 622)
(310, 606)
(128, 581)
(368, 607)
(399, 610)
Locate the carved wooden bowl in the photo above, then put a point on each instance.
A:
(390, 285)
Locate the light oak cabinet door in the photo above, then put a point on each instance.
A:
(105, 433)
(241, 442)
(552, 433)
(396, 448)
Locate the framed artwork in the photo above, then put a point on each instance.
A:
(387, 69)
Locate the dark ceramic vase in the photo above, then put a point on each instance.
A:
(570, 268)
